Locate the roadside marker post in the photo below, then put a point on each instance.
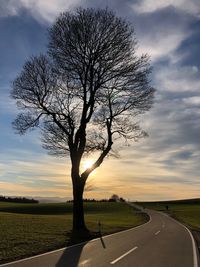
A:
(99, 224)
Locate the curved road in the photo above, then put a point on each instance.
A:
(162, 242)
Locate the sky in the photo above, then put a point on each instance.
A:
(163, 166)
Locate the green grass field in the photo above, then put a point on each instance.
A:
(29, 229)
(187, 212)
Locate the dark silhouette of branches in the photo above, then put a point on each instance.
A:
(86, 92)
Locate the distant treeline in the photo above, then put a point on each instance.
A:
(101, 200)
(17, 199)
(186, 201)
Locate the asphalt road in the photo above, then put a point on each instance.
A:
(162, 242)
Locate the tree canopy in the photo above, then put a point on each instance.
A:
(87, 90)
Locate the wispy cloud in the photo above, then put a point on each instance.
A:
(161, 33)
(146, 6)
(42, 10)
(23, 172)
(16, 189)
(7, 105)
(176, 78)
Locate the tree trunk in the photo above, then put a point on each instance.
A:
(78, 210)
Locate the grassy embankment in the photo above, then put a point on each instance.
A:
(29, 229)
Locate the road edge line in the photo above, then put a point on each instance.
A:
(194, 247)
(75, 245)
(40, 255)
(123, 231)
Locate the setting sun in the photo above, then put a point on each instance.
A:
(87, 164)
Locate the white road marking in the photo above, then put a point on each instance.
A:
(124, 255)
(157, 232)
(84, 263)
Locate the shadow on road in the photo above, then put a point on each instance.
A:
(71, 257)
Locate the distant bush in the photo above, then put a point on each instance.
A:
(18, 200)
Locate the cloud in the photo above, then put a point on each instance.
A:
(168, 160)
(9, 8)
(16, 189)
(146, 6)
(42, 10)
(160, 34)
(164, 30)
(176, 78)
(145, 171)
(161, 44)
(192, 101)
(26, 172)
(7, 105)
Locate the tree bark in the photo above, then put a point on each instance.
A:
(78, 209)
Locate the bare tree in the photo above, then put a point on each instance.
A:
(85, 93)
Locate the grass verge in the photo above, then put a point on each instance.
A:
(29, 229)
